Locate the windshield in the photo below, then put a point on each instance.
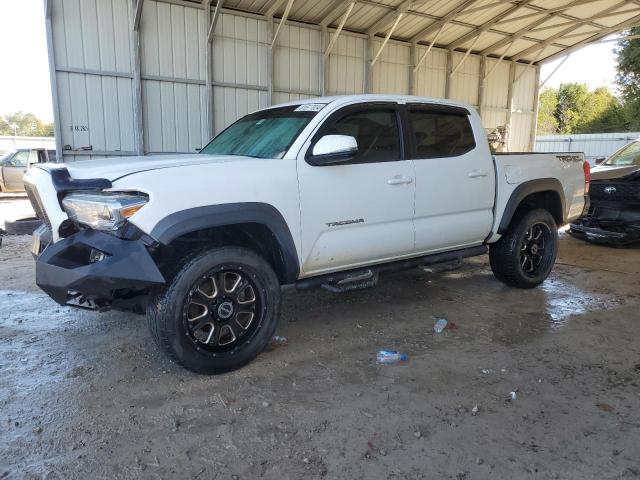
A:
(627, 155)
(265, 134)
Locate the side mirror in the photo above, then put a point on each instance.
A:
(332, 149)
(599, 160)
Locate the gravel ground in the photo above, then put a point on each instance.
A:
(86, 395)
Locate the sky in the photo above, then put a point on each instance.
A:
(595, 65)
(24, 76)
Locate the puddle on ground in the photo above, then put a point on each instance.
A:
(564, 300)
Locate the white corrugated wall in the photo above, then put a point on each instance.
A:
(594, 145)
(92, 45)
(94, 76)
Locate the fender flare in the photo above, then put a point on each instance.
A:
(199, 218)
(524, 190)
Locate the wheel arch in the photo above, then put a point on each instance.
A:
(544, 193)
(261, 222)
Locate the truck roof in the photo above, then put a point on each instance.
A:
(340, 99)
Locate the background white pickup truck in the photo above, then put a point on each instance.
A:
(328, 191)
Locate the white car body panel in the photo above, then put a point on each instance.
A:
(448, 204)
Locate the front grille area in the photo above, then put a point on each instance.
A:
(616, 191)
(36, 204)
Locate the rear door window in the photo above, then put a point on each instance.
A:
(439, 134)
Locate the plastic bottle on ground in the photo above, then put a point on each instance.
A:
(387, 357)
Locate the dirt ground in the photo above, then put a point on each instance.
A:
(87, 395)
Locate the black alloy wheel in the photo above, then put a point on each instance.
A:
(222, 308)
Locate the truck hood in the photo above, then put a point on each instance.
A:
(610, 172)
(115, 168)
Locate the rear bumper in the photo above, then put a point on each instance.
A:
(95, 268)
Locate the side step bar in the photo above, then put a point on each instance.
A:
(365, 277)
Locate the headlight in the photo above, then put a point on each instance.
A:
(102, 211)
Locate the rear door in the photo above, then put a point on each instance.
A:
(360, 211)
(455, 183)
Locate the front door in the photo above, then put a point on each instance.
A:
(14, 168)
(358, 212)
(455, 182)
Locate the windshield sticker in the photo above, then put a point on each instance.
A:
(310, 107)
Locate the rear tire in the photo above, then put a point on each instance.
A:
(526, 253)
(218, 311)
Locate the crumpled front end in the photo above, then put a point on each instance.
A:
(85, 267)
(97, 270)
(614, 215)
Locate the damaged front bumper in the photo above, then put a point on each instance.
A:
(606, 231)
(92, 269)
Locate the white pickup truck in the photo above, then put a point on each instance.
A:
(322, 192)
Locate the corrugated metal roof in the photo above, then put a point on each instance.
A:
(528, 30)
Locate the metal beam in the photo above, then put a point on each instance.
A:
(536, 106)
(336, 34)
(386, 39)
(273, 8)
(368, 72)
(466, 55)
(433, 42)
(512, 74)
(57, 127)
(209, 120)
(214, 19)
(487, 25)
(388, 18)
(447, 81)
(595, 17)
(555, 70)
(270, 60)
(282, 22)
(581, 44)
(510, 39)
(333, 12)
(137, 81)
(413, 53)
(482, 84)
(544, 12)
(324, 71)
(559, 35)
(444, 20)
(560, 10)
(138, 14)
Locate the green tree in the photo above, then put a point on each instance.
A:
(603, 113)
(27, 124)
(547, 121)
(628, 78)
(572, 108)
(573, 100)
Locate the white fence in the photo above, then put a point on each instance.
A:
(12, 143)
(594, 145)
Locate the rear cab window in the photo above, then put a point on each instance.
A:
(438, 131)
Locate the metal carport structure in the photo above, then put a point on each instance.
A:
(156, 76)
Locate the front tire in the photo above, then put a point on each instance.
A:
(526, 253)
(218, 311)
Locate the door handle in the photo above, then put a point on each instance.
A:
(398, 180)
(477, 173)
